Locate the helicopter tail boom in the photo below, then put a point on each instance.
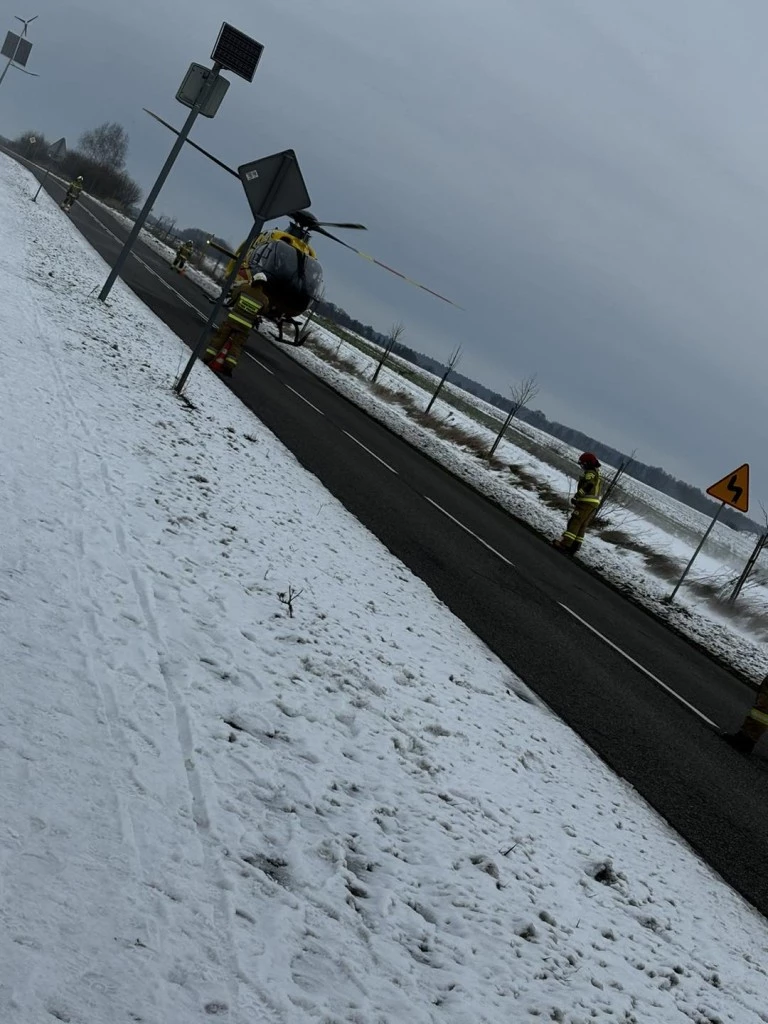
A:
(221, 248)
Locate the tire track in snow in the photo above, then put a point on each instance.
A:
(222, 910)
(105, 696)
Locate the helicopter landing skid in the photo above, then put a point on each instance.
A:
(297, 338)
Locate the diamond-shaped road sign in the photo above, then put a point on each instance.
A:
(733, 489)
(58, 150)
(274, 186)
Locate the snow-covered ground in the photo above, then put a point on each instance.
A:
(214, 809)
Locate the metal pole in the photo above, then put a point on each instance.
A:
(125, 252)
(747, 571)
(12, 58)
(258, 224)
(45, 177)
(695, 553)
(203, 336)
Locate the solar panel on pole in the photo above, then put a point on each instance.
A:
(17, 49)
(237, 52)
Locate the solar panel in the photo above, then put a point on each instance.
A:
(17, 48)
(237, 52)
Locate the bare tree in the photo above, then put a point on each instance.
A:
(106, 145)
(453, 361)
(126, 191)
(614, 498)
(751, 563)
(611, 495)
(520, 395)
(395, 333)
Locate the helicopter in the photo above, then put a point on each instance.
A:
(294, 276)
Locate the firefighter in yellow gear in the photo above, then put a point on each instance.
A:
(248, 302)
(74, 189)
(585, 501)
(184, 252)
(754, 726)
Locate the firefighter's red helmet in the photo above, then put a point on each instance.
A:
(588, 459)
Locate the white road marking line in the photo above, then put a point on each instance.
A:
(299, 395)
(375, 456)
(641, 668)
(470, 532)
(262, 365)
(146, 266)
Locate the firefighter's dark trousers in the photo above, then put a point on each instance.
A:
(581, 517)
(180, 262)
(69, 200)
(755, 724)
(230, 332)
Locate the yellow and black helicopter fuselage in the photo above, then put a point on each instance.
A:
(294, 276)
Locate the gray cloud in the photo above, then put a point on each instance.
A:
(585, 176)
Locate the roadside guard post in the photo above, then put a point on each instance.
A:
(273, 187)
(732, 490)
(202, 90)
(57, 152)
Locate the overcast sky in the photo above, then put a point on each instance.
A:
(586, 177)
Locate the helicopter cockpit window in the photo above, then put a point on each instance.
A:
(280, 261)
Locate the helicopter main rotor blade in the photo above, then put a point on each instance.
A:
(194, 145)
(336, 224)
(371, 259)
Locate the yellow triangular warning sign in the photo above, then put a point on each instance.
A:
(733, 489)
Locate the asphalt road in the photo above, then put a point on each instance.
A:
(644, 699)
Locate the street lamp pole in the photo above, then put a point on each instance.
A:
(12, 58)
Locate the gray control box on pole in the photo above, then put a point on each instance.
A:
(202, 97)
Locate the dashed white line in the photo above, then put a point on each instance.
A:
(470, 532)
(640, 667)
(262, 365)
(146, 266)
(299, 395)
(373, 454)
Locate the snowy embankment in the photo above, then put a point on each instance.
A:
(212, 809)
(527, 488)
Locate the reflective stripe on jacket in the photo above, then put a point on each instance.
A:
(588, 490)
(249, 300)
(240, 321)
(758, 716)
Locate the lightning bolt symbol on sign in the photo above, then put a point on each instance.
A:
(735, 490)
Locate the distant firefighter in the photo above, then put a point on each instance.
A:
(183, 254)
(754, 725)
(248, 300)
(585, 501)
(73, 192)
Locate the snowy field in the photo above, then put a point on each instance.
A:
(214, 809)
